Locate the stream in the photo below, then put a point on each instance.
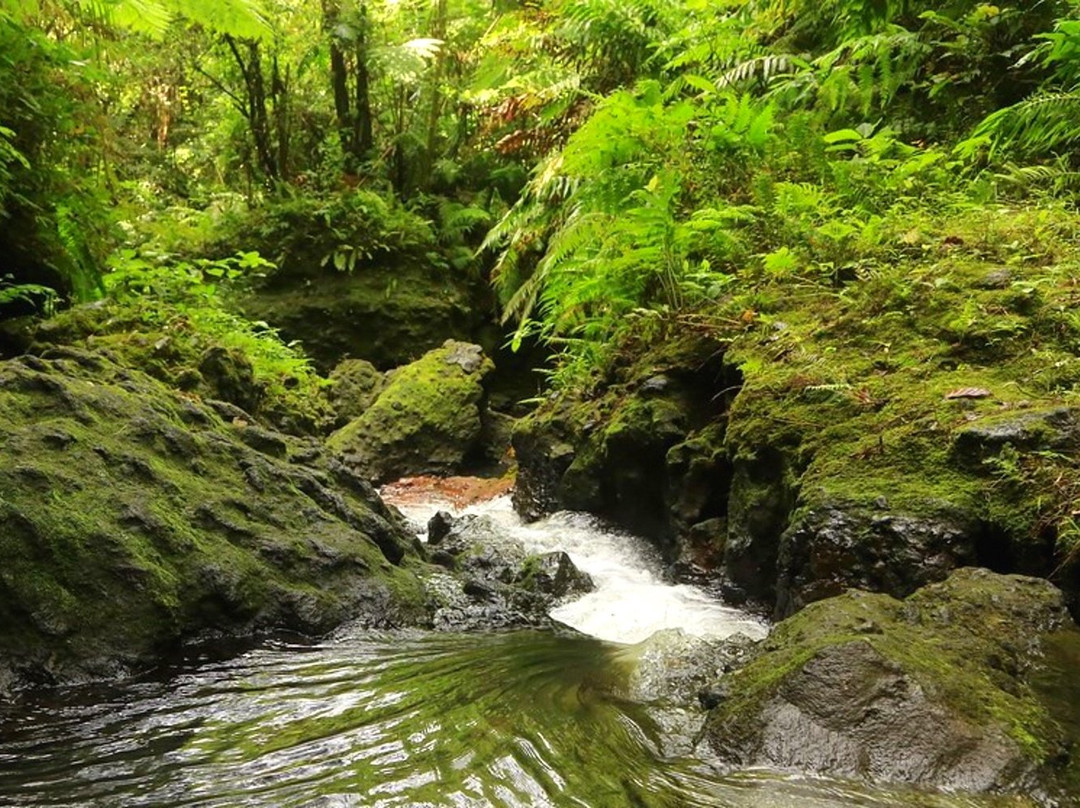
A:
(525, 718)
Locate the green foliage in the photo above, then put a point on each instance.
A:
(182, 302)
(342, 230)
(240, 18)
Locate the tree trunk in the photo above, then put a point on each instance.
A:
(363, 136)
(258, 118)
(339, 75)
(279, 91)
(438, 31)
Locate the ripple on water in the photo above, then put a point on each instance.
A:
(523, 719)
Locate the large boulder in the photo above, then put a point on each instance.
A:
(427, 420)
(133, 518)
(968, 684)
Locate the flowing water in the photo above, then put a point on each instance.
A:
(522, 718)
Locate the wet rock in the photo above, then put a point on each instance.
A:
(615, 467)
(438, 527)
(163, 524)
(497, 584)
(554, 574)
(945, 689)
(832, 548)
(677, 668)
(427, 420)
(760, 502)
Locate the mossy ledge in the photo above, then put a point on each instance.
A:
(134, 518)
(876, 433)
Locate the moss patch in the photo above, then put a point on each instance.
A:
(426, 420)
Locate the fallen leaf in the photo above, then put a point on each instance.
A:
(968, 392)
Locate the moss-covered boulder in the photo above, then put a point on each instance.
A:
(354, 386)
(133, 518)
(358, 275)
(968, 684)
(389, 314)
(427, 420)
(200, 350)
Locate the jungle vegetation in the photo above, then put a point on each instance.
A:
(618, 169)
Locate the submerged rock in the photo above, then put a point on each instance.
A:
(133, 518)
(427, 420)
(948, 688)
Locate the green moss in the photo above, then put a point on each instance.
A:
(968, 642)
(170, 527)
(200, 350)
(852, 383)
(426, 419)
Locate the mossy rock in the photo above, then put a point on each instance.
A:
(427, 420)
(133, 518)
(354, 386)
(965, 685)
(388, 315)
(163, 342)
(632, 452)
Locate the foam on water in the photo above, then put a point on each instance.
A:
(632, 600)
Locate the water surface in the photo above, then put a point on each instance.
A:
(526, 718)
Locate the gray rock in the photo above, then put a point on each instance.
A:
(1057, 428)
(438, 527)
(831, 548)
(556, 575)
(1000, 278)
(495, 583)
(467, 356)
(945, 689)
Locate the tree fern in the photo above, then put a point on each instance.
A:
(239, 18)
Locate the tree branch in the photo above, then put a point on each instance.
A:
(237, 101)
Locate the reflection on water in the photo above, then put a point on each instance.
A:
(517, 719)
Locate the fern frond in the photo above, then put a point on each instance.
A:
(1041, 124)
(764, 67)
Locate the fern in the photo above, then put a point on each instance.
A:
(763, 68)
(1040, 125)
(239, 18)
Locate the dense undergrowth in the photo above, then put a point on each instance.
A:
(764, 172)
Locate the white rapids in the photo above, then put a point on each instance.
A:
(631, 601)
